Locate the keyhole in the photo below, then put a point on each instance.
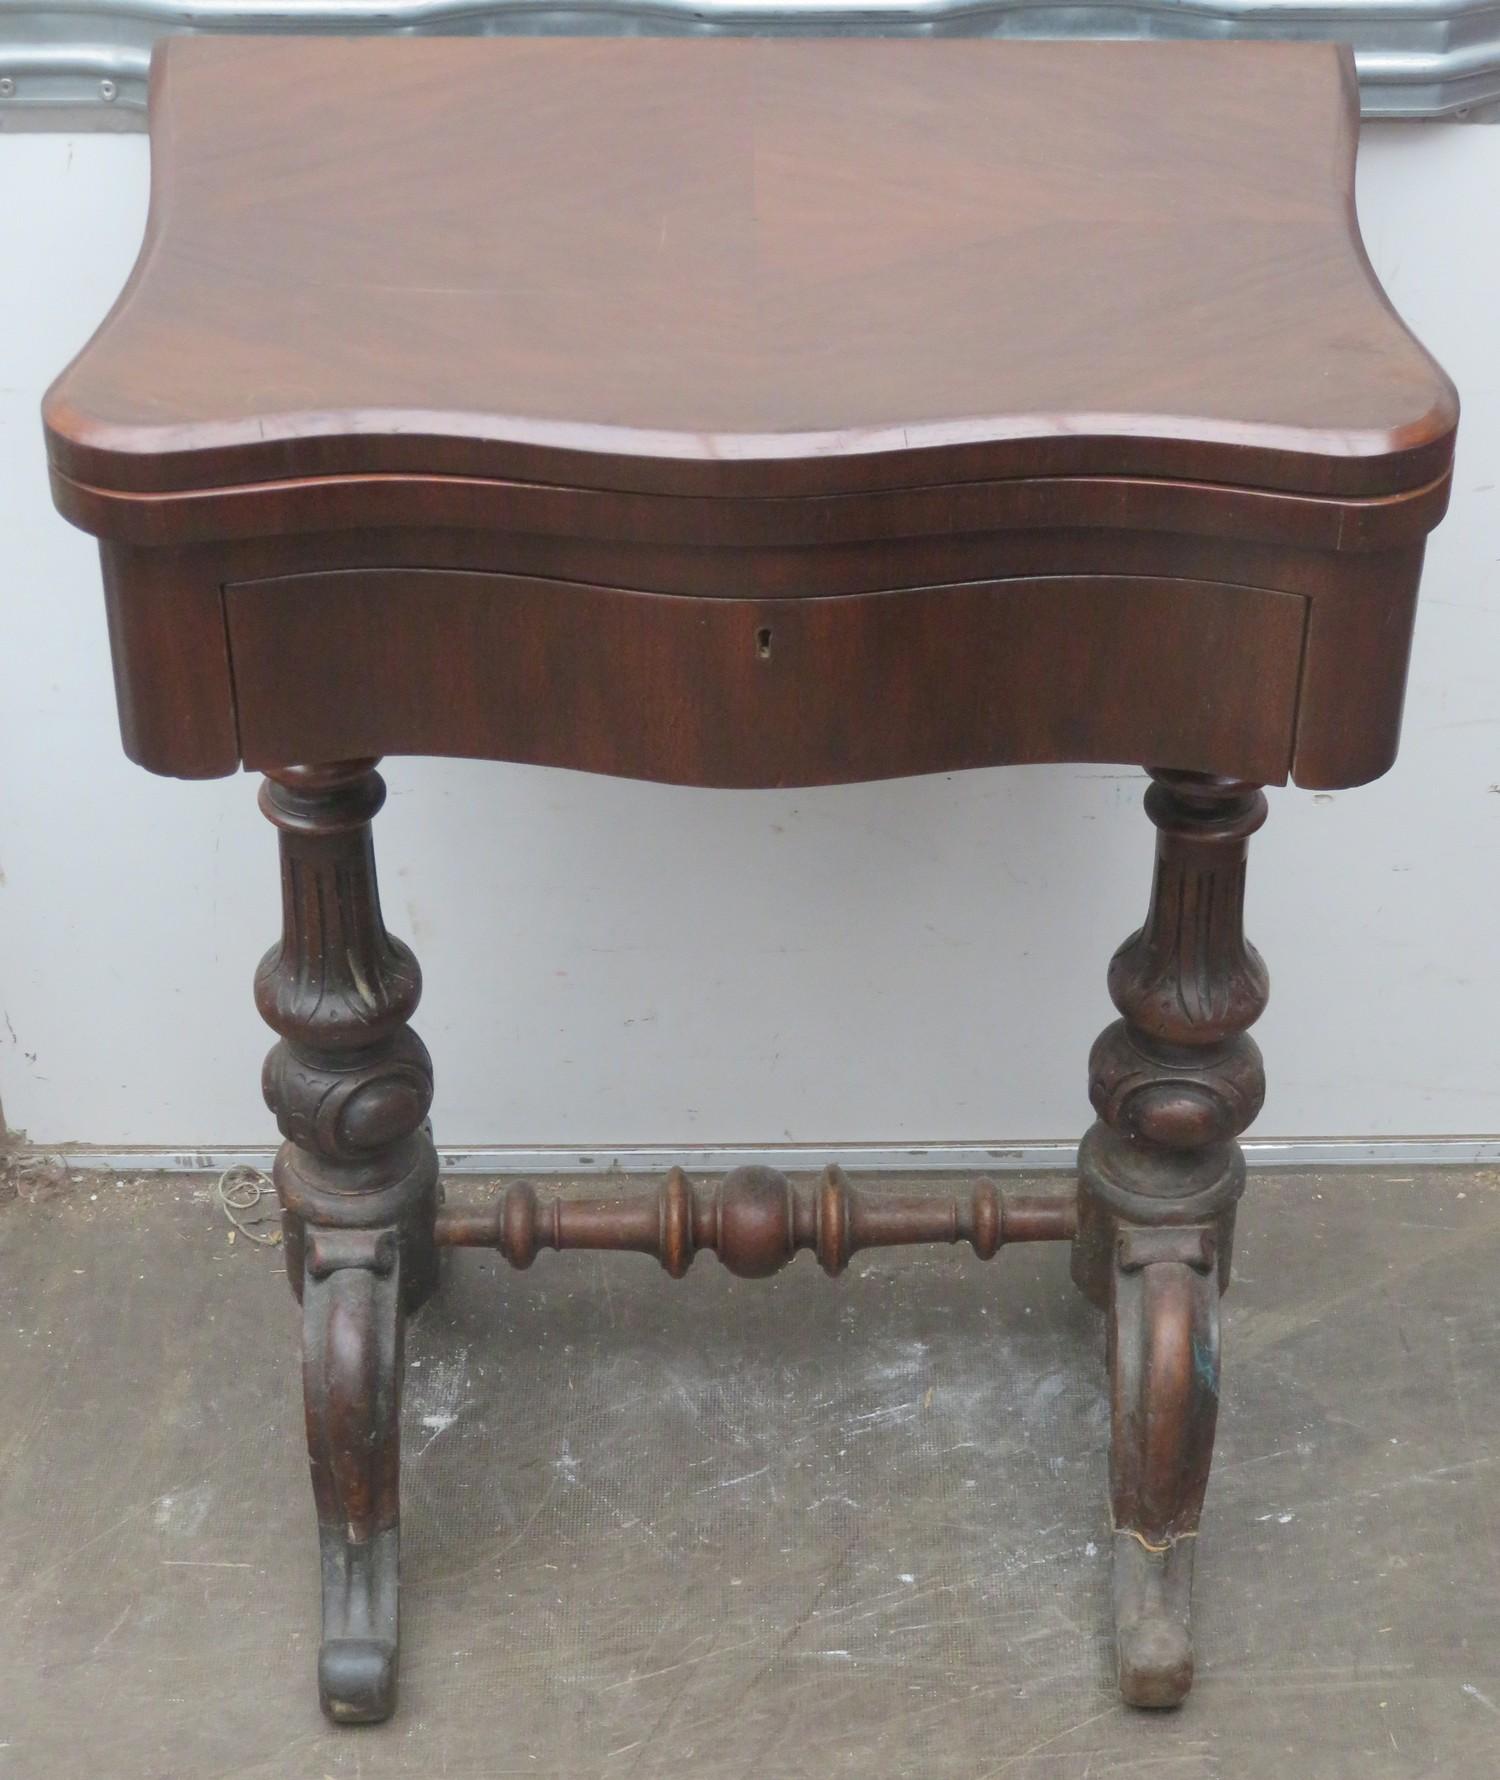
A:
(763, 643)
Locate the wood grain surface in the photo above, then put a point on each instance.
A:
(762, 692)
(495, 397)
(750, 267)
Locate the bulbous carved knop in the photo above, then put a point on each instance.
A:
(347, 1110)
(350, 1082)
(1177, 1078)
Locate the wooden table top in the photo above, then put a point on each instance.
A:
(749, 267)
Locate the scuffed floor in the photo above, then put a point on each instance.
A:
(788, 1528)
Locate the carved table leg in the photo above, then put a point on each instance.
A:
(350, 1085)
(1174, 1083)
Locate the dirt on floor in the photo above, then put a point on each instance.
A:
(720, 1527)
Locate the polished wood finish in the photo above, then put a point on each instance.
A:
(756, 1220)
(187, 629)
(742, 267)
(181, 713)
(350, 1084)
(600, 678)
(745, 414)
(1174, 1082)
(728, 337)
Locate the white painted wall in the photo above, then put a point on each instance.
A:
(612, 963)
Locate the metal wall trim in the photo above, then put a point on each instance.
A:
(81, 64)
(714, 1159)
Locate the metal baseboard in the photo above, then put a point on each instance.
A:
(712, 1159)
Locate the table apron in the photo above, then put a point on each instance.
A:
(756, 692)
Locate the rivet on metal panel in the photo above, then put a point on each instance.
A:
(107, 89)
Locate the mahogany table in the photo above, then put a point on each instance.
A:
(744, 413)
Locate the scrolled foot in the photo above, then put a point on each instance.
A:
(357, 1657)
(1164, 1373)
(352, 1329)
(1153, 1621)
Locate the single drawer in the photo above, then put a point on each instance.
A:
(754, 692)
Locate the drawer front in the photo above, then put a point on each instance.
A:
(751, 692)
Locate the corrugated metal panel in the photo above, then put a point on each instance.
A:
(82, 63)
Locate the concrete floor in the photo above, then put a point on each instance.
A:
(787, 1528)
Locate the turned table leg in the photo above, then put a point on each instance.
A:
(1174, 1082)
(350, 1085)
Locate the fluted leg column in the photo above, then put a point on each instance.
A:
(1174, 1082)
(350, 1085)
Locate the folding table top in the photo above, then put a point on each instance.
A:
(739, 267)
